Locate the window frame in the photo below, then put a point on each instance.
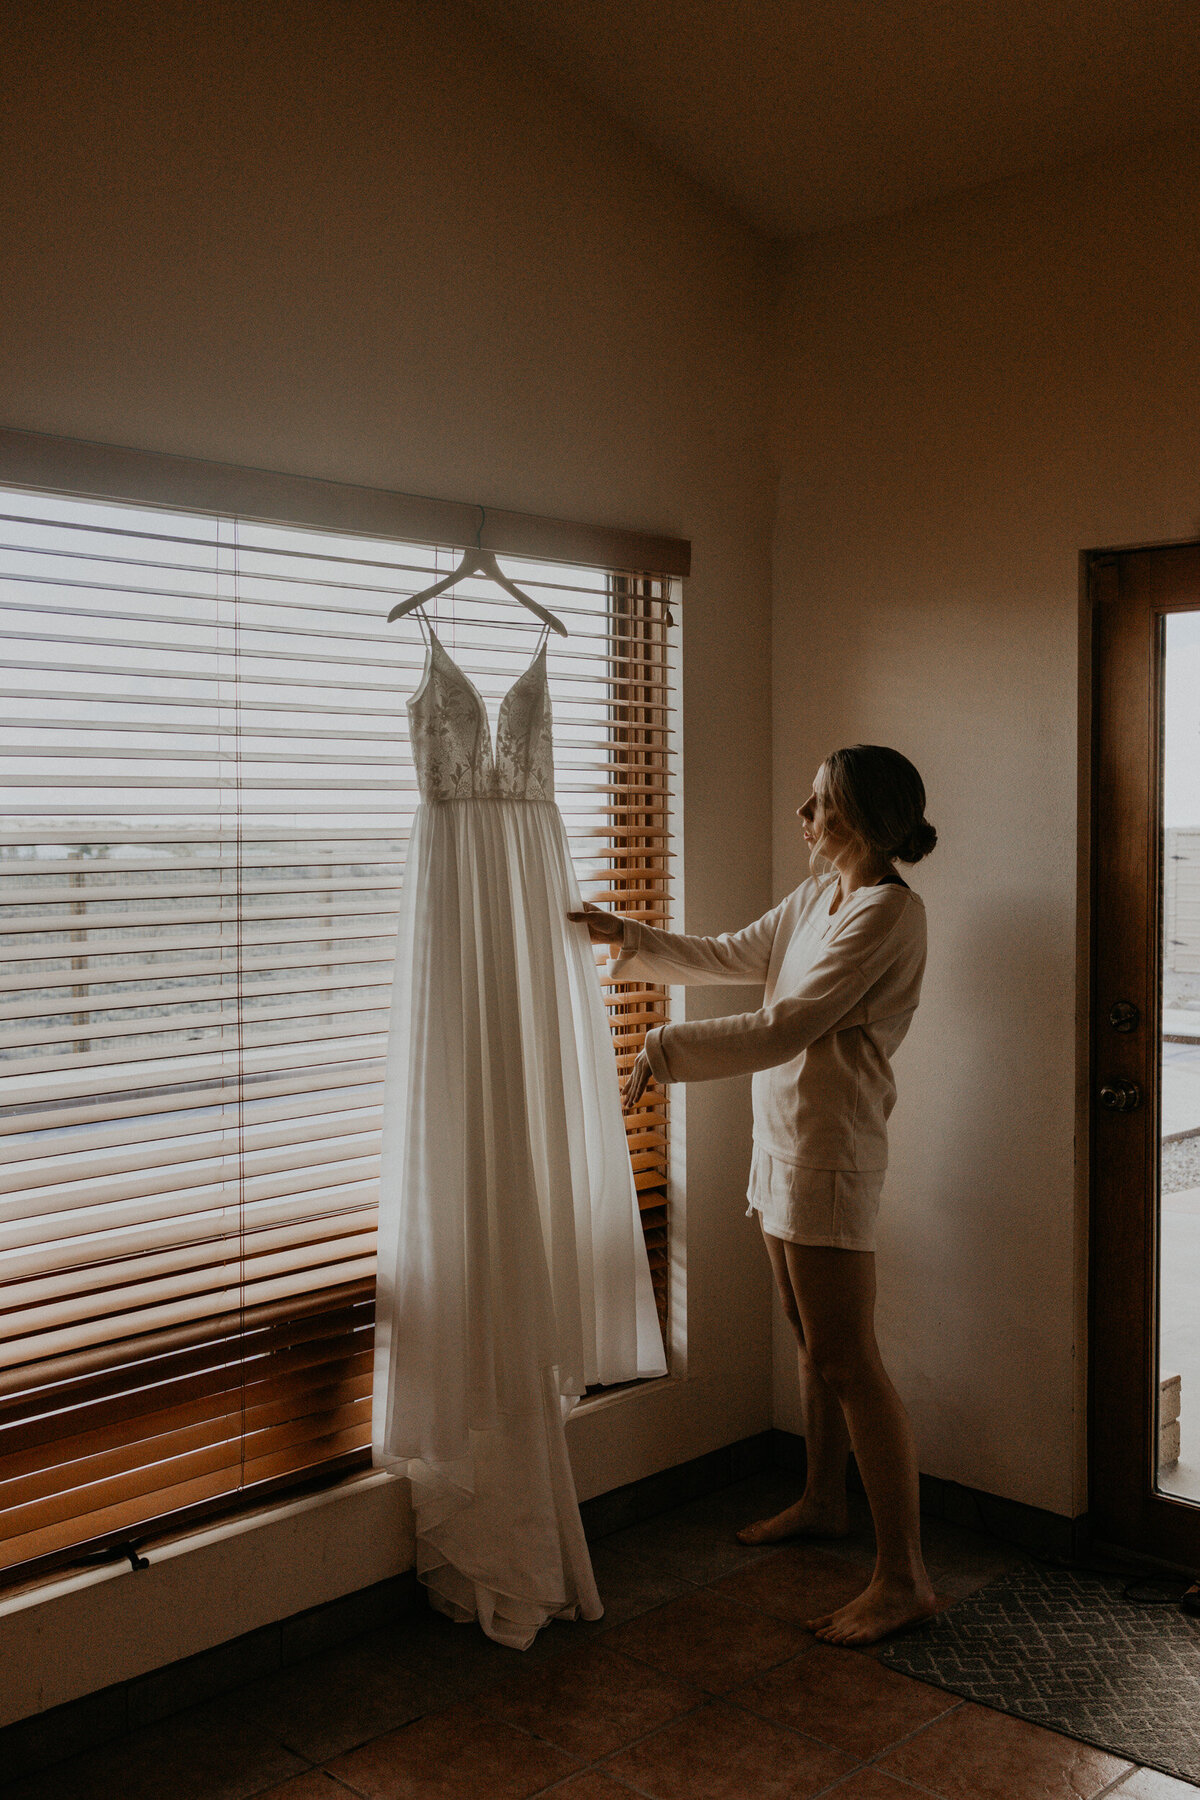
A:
(117, 474)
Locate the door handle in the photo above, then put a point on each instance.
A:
(1121, 1096)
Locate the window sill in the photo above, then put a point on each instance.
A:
(613, 1396)
(45, 1588)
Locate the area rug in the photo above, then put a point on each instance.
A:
(1069, 1651)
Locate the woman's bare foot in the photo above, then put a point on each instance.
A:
(882, 1607)
(807, 1518)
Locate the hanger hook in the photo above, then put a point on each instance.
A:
(479, 528)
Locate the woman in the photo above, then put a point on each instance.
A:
(842, 959)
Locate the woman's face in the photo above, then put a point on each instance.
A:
(819, 824)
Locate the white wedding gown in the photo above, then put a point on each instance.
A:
(512, 1267)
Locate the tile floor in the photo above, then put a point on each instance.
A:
(699, 1684)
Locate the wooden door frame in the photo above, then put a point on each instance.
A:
(1129, 591)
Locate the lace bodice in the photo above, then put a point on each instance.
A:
(452, 744)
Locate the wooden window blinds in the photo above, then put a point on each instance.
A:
(209, 787)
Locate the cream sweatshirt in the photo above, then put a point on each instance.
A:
(841, 990)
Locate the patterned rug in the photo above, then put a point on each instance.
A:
(1067, 1651)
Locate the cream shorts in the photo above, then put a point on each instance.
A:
(833, 1207)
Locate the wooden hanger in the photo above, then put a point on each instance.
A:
(478, 562)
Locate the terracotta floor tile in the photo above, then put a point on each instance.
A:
(589, 1702)
(329, 1703)
(628, 1587)
(858, 1547)
(708, 1640)
(314, 1785)
(453, 1755)
(960, 1561)
(206, 1753)
(698, 1541)
(720, 1753)
(973, 1753)
(462, 1658)
(870, 1784)
(796, 1584)
(846, 1699)
(1150, 1784)
(592, 1785)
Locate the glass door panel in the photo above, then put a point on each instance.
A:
(1178, 1372)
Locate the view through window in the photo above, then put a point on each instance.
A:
(210, 792)
(1179, 1213)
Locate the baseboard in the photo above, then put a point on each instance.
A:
(1027, 1527)
(686, 1481)
(98, 1718)
(1012, 1521)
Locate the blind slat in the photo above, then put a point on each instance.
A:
(124, 1120)
(153, 1147)
(149, 1441)
(176, 1197)
(148, 1363)
(147, 1286)
(183, 1308)
(195, 1241)
(127, 1419)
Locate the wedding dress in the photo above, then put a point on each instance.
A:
(512, 1267)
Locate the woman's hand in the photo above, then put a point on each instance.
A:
(603, 927)
(637, 1081)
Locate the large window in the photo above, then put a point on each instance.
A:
(210, 790)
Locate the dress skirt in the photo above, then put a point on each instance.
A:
(512, 1267)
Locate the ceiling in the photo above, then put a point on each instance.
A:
(804, 114)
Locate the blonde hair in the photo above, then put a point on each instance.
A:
(878, 797)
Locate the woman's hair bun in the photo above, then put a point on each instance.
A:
(879, 797)
(918, 843)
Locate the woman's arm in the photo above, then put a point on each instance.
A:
(711, 1049)
(737, 957)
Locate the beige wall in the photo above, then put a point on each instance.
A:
(370, 242)
(969, 396)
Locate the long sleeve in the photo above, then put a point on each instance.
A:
(829, 994)
(737, 957)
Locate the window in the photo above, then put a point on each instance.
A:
(210, 793)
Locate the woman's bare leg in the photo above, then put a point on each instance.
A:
(821, 1510)
(835, 1297)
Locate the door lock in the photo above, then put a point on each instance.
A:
(1124, 1016)
(1121, 1096)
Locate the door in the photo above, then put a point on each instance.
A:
(1145, 1141)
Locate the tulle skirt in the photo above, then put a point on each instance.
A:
(512, 1268)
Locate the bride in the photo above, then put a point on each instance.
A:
(842, 959)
